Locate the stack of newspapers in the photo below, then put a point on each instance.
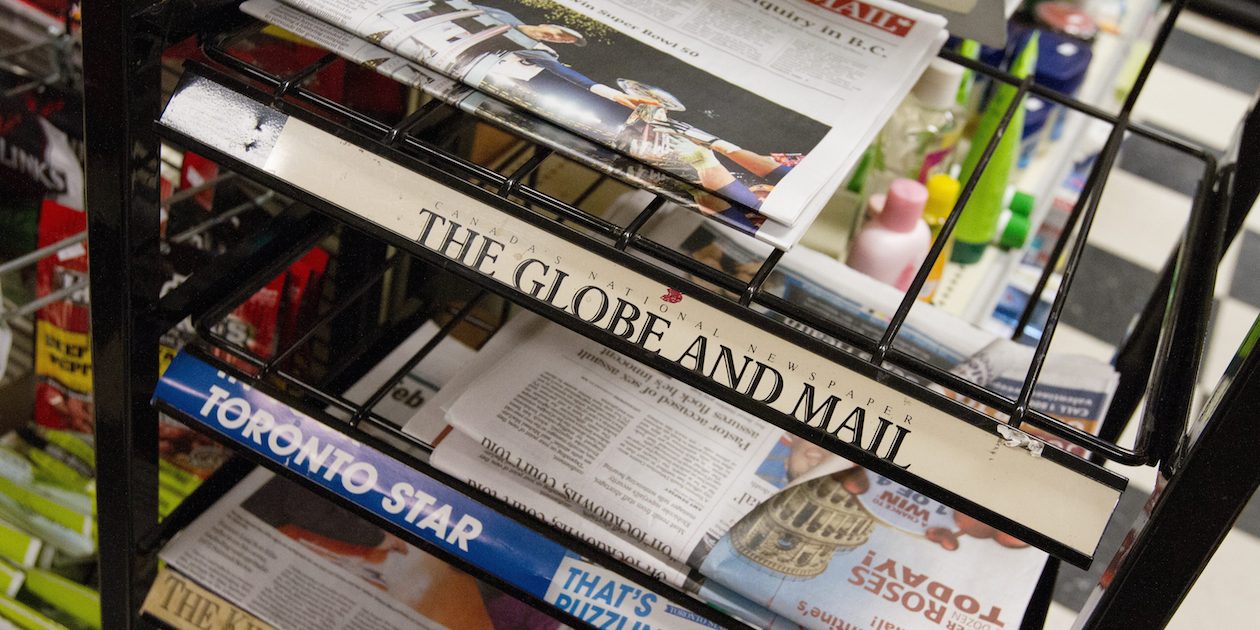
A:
(752, 113)
(766, 525)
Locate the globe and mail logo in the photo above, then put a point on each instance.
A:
(881, 19)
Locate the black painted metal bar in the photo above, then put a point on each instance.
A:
(947, 230)
(410, 364)
(513, 181)
(212, 489)
(1056, 252)
(1191, 511)
(586, 192)
(1135, 357)
(1093, 187)
(638, 222)
(566, 212)
(411, 121)
(239, 272)
(1095, 444)
(121, 99)
(1185, 329)
(269, 365)
(763, 273)
(1090, 198)
(299, 77)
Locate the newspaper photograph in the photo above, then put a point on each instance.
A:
(851, 549)
(764, 107)
(505, 116)
(295, 560)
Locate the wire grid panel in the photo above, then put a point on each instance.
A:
(1080, 487)
(878, 360)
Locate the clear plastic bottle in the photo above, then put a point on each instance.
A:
(920, 136)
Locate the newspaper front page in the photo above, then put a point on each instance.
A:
(765, 105)
(506, 116)
(296, 561)
(806, 534)
(605, 435)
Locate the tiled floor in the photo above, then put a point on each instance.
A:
(1201, 88)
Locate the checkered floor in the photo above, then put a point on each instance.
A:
(1200, 89)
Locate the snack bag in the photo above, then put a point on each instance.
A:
(63, 351)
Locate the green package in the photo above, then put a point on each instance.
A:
(978, 223)
(25, 617)
(17, 545)
(44, 506)
(76, 601)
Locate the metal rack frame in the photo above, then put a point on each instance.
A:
(122, 101)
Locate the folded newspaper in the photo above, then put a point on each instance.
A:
(294, 560)
(244, 548)
(760, 110)
(673, 481)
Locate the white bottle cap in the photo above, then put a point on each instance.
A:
(938, 87)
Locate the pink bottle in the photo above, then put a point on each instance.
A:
(892, 245)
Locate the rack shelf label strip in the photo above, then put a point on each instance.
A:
(1062, 503)
(386, 487)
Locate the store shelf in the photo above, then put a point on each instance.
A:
(495, 545)
(380, 200)
(606, 280)
(978, 287)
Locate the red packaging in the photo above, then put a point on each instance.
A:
(304, 276)
(63, 351)
(196, 171)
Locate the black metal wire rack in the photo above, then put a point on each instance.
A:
(1160, 359)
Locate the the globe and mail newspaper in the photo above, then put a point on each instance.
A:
(756, 110)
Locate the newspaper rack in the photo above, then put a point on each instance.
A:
(123, 103)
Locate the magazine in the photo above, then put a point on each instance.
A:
(678, 86)
(295, 560)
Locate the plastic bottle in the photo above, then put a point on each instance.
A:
(920, 135)
(943, 192)
(978, 223)
(894, 242)
(1016, 221)
(841, 217)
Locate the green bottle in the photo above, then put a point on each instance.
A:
(978, 223)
